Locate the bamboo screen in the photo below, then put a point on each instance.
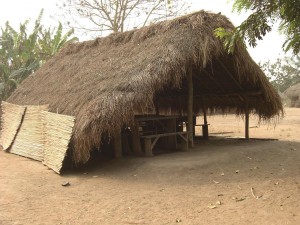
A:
(58, 133)
(33, 132)
(10, 123)
(29, 141)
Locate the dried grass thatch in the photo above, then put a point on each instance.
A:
(293, 93)
(105, 82)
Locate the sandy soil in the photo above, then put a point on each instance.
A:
(221, 181)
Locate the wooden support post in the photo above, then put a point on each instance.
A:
(117, 145)
(205, 126)
(204, 115)
(136, 142)
(190, 108)
(186, 146)
(148, 147)
(125, 144)
(194, 126)
(169, 142)
(247, 121)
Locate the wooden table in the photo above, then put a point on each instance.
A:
(152, 128)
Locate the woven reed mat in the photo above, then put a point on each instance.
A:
(10, 123)
(29, 141)
(59, 129)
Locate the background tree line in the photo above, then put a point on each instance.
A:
(283, 73)
(22, 51)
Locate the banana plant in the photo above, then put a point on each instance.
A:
(7, 84)
(52, 40)
(22, 53)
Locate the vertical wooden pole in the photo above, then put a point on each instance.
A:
(190, 108)
(125, 144)
(118, 145)
(194, 126)
(148, 149)
(136, 142)
(204, 115)
(169, 142)
(247, 120)
(205, 126)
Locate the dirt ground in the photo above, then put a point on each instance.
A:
(225, 180)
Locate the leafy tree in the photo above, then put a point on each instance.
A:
(118, 15)
(23, 52)
(7, 84)
(283, 73)
(52, 40)
(264, 14)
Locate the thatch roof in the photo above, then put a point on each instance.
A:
(293, 93)
(105, 82)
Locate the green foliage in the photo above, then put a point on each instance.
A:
(230, 38)
(264, 14)
(283, 73)
(52, 40)
(23, 52)
(239, 6)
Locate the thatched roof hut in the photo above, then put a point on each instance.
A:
(105, 82)
(293, 94)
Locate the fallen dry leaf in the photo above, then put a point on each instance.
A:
(211, 206)
(238, 199)
(65, 184)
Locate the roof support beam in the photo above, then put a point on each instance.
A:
(230, 75)
(211, 76)
(246, 100)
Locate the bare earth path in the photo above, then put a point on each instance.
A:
(221, 181)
